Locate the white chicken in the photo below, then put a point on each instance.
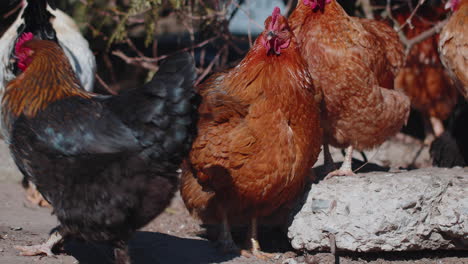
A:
(69, 37)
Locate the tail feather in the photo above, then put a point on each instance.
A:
(163, 113)
(177, 75)
(37, 20)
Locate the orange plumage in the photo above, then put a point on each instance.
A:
(354, 62)
(423, 78)
(27, 95)
(453, 45)
(258, 135)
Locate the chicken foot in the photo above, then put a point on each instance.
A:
(345, 169)
(44, 248)
(437, 126)
(225, 241)
(433, 128)
(255, 245)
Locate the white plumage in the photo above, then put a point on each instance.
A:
(76, 48)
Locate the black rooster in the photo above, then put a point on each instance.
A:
(107, 164)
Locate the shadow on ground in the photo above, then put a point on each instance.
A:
(151, 248)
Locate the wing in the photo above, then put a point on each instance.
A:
(225, 141)
(89, 129)
(389, 40)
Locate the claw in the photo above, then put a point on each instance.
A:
(339, 172)
(45, 248)
(345, 169)
(35, 250)
(255, 245)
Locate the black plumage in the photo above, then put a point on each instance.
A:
(108, 164)
(451, 148)
(37, 20)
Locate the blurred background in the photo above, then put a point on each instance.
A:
(130, 37)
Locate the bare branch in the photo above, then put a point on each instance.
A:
(210, 67)
(424, 35)
(141, 62)
(408, 20)
(367, 8)
(104, 84)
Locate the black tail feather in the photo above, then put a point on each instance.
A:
(37, 20)
(164, 110)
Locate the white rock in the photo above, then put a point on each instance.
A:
(414, 210)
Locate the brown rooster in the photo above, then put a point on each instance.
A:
(259, 133)
(424, 78)
(354, 62)
(453, 44)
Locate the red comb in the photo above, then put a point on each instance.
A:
(24, 38)
(274, 17)
(276, 12)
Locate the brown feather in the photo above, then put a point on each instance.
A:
(259, 134)
(354, 62)
(453, 47)
(47, 79)
(423, 78)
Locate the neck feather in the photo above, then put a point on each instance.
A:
(47, 79)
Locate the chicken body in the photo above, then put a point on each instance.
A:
(423, 78)
(354, 62)
(46, 22)
(259, 134)
(453, 45)
(107, 164)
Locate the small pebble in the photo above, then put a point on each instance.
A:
(1, 249)
(290, 261)
(16, 228)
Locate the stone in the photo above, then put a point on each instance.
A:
(385, 211)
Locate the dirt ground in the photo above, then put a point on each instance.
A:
(172, 238)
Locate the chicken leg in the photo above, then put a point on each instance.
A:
(44, 248)
(255, 245)
(328, 163)
(345, 169)
(225, 241)
(121, 255)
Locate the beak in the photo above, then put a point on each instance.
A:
(270, 35)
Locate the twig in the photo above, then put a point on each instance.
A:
(249, 29)
(289, 8)
(149, 63)
(135, 61)
(424, 35)
(104, 84)
(396, 25)
(248, 15)
(366, 8)
(409, 43)
(210, 66)
(408, 20)
(16, 8)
